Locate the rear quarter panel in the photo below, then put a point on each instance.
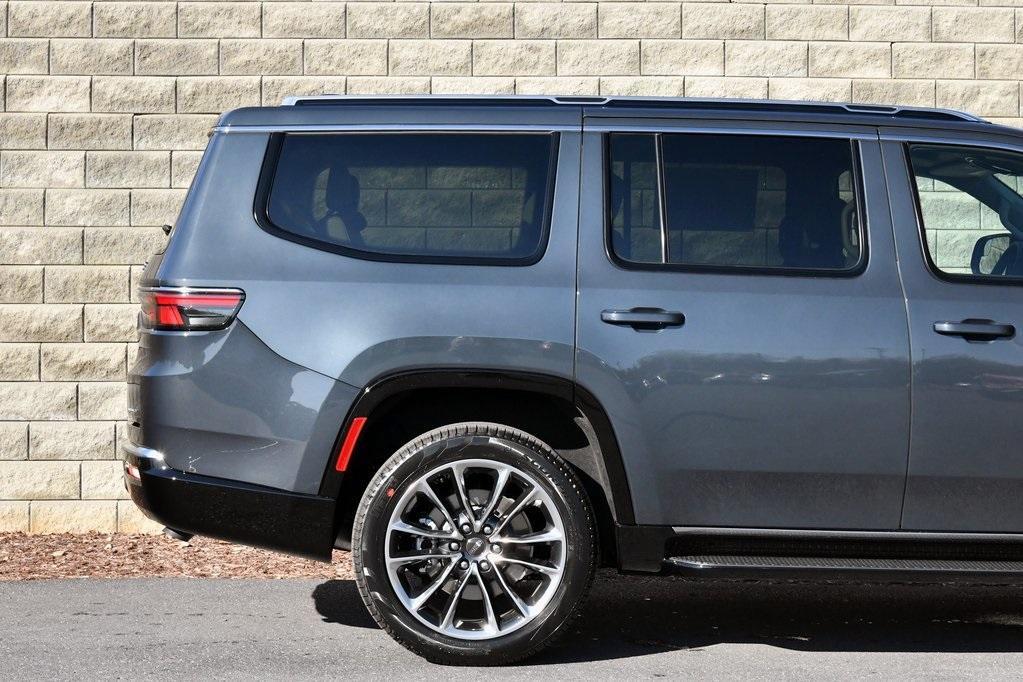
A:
(355, 320)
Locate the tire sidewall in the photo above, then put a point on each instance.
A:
(435, 450)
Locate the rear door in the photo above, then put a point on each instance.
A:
(958, 210)
(745, 334)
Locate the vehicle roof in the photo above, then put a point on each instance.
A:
(569, 110)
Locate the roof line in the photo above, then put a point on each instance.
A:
(647, 102)
(482, 99)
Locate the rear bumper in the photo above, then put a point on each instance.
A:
(229, 510)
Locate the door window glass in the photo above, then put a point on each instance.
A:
(635, 208)
(971, 209)
(742, 201)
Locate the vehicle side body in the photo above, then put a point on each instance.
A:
(807, 412)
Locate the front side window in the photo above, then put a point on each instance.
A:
(971, 209)
(742, 201)
(429, 196)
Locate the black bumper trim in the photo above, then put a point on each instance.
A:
(229, 510)
(848, 569)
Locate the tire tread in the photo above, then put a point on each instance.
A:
(410, 449)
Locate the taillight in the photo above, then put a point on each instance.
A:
(183, 309)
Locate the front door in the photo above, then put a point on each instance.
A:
(958, 214)
(745, 334)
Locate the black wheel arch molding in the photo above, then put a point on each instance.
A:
(602, 461)
(309, 525)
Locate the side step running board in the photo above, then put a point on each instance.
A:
(921, 569)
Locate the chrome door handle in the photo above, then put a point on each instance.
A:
(976, 330)
(644, 318)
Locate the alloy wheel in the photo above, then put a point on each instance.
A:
(475, 549)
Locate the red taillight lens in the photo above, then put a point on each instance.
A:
(132, 471)
(170, 309)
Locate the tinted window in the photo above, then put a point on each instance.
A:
(734, 201)
(635, 217)
(971, 209)
(433, 196)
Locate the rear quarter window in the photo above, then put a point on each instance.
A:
(423, 197)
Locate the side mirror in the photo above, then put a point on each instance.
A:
(987, 251)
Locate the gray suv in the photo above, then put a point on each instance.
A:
(490, 344)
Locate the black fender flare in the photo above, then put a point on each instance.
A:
(605, 463)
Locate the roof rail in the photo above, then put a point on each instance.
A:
(643, 102)
(794, 106)
(528, 100)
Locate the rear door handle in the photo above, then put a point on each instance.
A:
(644, 318)
(976, 330)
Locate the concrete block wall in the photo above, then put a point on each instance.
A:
(104, 109)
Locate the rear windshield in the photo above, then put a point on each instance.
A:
(429, 196)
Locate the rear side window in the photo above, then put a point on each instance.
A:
(430, 197)
(734, 201)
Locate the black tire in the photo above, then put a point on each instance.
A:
(449, 444)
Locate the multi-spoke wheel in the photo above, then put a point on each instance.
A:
(466, 537)
(475, 549)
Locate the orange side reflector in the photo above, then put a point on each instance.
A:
(348, 446)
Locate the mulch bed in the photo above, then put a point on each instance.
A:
(98, 555)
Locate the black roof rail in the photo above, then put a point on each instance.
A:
(432, 100)
(689, 103)
(794, 106)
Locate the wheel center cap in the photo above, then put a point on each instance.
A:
(475, 546)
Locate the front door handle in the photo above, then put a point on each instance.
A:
(644, 318)
(976, 330)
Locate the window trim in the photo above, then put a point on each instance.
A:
(268, 172)
(921, 228)
(858, 193)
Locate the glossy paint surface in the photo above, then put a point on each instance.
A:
(354, 319)
(320, 326)
(783, 401)
(966, 463)
(222, 404)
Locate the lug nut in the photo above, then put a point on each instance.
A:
(463, 564)
(466, 528)
(495, 548)
(485, 565)
(453, 546)
(487, 530)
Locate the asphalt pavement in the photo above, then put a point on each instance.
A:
(632, 628)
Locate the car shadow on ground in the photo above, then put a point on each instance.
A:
(634, 616)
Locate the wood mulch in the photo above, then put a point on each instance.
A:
(99, 555)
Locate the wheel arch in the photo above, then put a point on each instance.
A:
(552, 408)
